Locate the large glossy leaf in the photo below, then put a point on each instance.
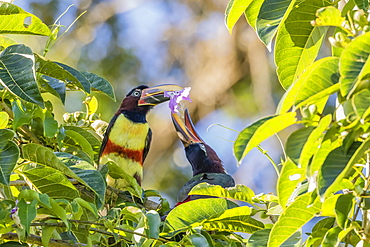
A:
(17, 73)
(80, 141)
(54, 86)
(360, 103)
(295, 143)
(260, 239)
(100, 84)
(9, 154)
(257, 132)
(234, 9)
(288, 180)
(298, 42)
(337, 165)
(51, 182)
(252, 11)
(15, 20)
(344, 209)
(354, 65)
(83, 172)
(313, 141)
(4, 119)
(234, 220)
(80, 77)
(239, 192)
(194, 212)
(320, 155)
(86, 172)
(269, 17)
(88, 136)
(55, 70)
(319, 76)
(293, 218)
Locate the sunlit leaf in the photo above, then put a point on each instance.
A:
(269, 18)
(296, 141)
(313, 141)
(336, 165)
(252, 11)
(9, 154)
(259, 131)
(331, 237)
(17, 73)
(51, 182)
(100, 84)
(239, 192)
(260, 239)
(4, 119)
(234, 9)
(294, 217)
(234, 220)
(329, 16)
(192, 213)
(15, 20)
(288, 180)
(298, 42)
(80, 141)
(343, 209)
(354, 65)
(319, 76)
(78, 75)
(360, 103)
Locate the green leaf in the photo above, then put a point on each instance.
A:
(252, 11)
(329, 16)
(354, 64)
(319, 76)
(9, 155)
(362, 4)
(15, 20)
(269, 18)
(257, 132)
(89, 136)
(234, 220)
(288, 180)
(100, 84)
(295, 143)
(90, 177)
(360, 103)
(85, 171)
(343, 209)
(337, 164)
(298, 42)
(153, 223)
(54, 86)
(51, 182)
(260, 239)
(331, 237)
(58, 71)
(192, 213)
(320, 155)
(294, 217)
(47, 232)
(313, 141)
(5, 42)
(21, 115)
(4, 119)
(198, 240)
(239, 192)
(17, 73)
(50, 127)
(234, 9)
(27, 213)
(89, 206)
(80, 141)
(78, 75)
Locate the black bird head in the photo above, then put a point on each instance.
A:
(142, 98)
(202, 157)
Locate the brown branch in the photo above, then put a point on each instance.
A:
(34, 239)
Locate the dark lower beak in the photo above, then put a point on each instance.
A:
(185, 129)
(155, 95)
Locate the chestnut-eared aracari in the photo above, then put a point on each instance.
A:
(205, 163)
(127, 139)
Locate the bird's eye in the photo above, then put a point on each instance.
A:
(136, 93)
(203, 148)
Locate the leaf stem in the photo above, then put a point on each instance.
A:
(264, 152)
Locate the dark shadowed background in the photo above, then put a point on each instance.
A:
(182, 42)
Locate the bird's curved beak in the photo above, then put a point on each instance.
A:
(185, 129)
(156, 95)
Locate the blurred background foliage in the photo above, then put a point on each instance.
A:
(182, 42)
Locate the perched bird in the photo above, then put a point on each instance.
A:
(127, 139)
(206, 165)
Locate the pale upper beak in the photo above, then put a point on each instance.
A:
(155, 95)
